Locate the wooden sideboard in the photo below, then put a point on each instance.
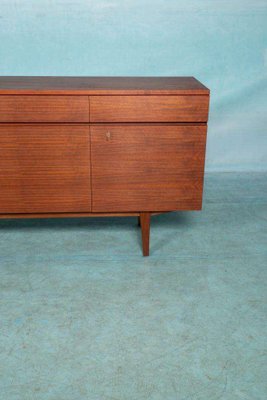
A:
(100, 146)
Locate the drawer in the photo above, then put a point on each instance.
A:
(149, 108)
(40, 108)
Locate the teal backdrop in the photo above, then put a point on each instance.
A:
(221, 42)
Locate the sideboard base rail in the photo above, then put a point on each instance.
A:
(143, 221)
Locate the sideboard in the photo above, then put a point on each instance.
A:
(101, 146)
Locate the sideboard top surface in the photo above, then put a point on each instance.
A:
(101, 85)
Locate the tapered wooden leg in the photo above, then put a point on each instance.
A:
(145, 227)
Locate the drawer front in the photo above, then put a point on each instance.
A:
(149, 108)
(19, 108)
(147, 168)
(44, 169)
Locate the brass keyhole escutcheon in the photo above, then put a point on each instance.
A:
(108, 136)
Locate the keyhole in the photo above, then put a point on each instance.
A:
(108, 136)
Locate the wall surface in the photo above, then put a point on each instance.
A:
(223, 43)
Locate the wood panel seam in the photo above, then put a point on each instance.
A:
(91, 166)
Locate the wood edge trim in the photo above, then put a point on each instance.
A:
(66, 215)
(77, 215)
(150, 123)
(23, 92)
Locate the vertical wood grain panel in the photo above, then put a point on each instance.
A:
(147, 167)
(44, 168)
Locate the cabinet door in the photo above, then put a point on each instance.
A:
(44, 168)
(147, 167)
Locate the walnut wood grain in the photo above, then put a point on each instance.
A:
(145, 154)
(147, 168)
(149, 108)
(75, 215)
(145, 228)
(44, 108)
(44, 168)
(100, 85)
(68, 215)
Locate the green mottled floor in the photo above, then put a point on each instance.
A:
(84, 316)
